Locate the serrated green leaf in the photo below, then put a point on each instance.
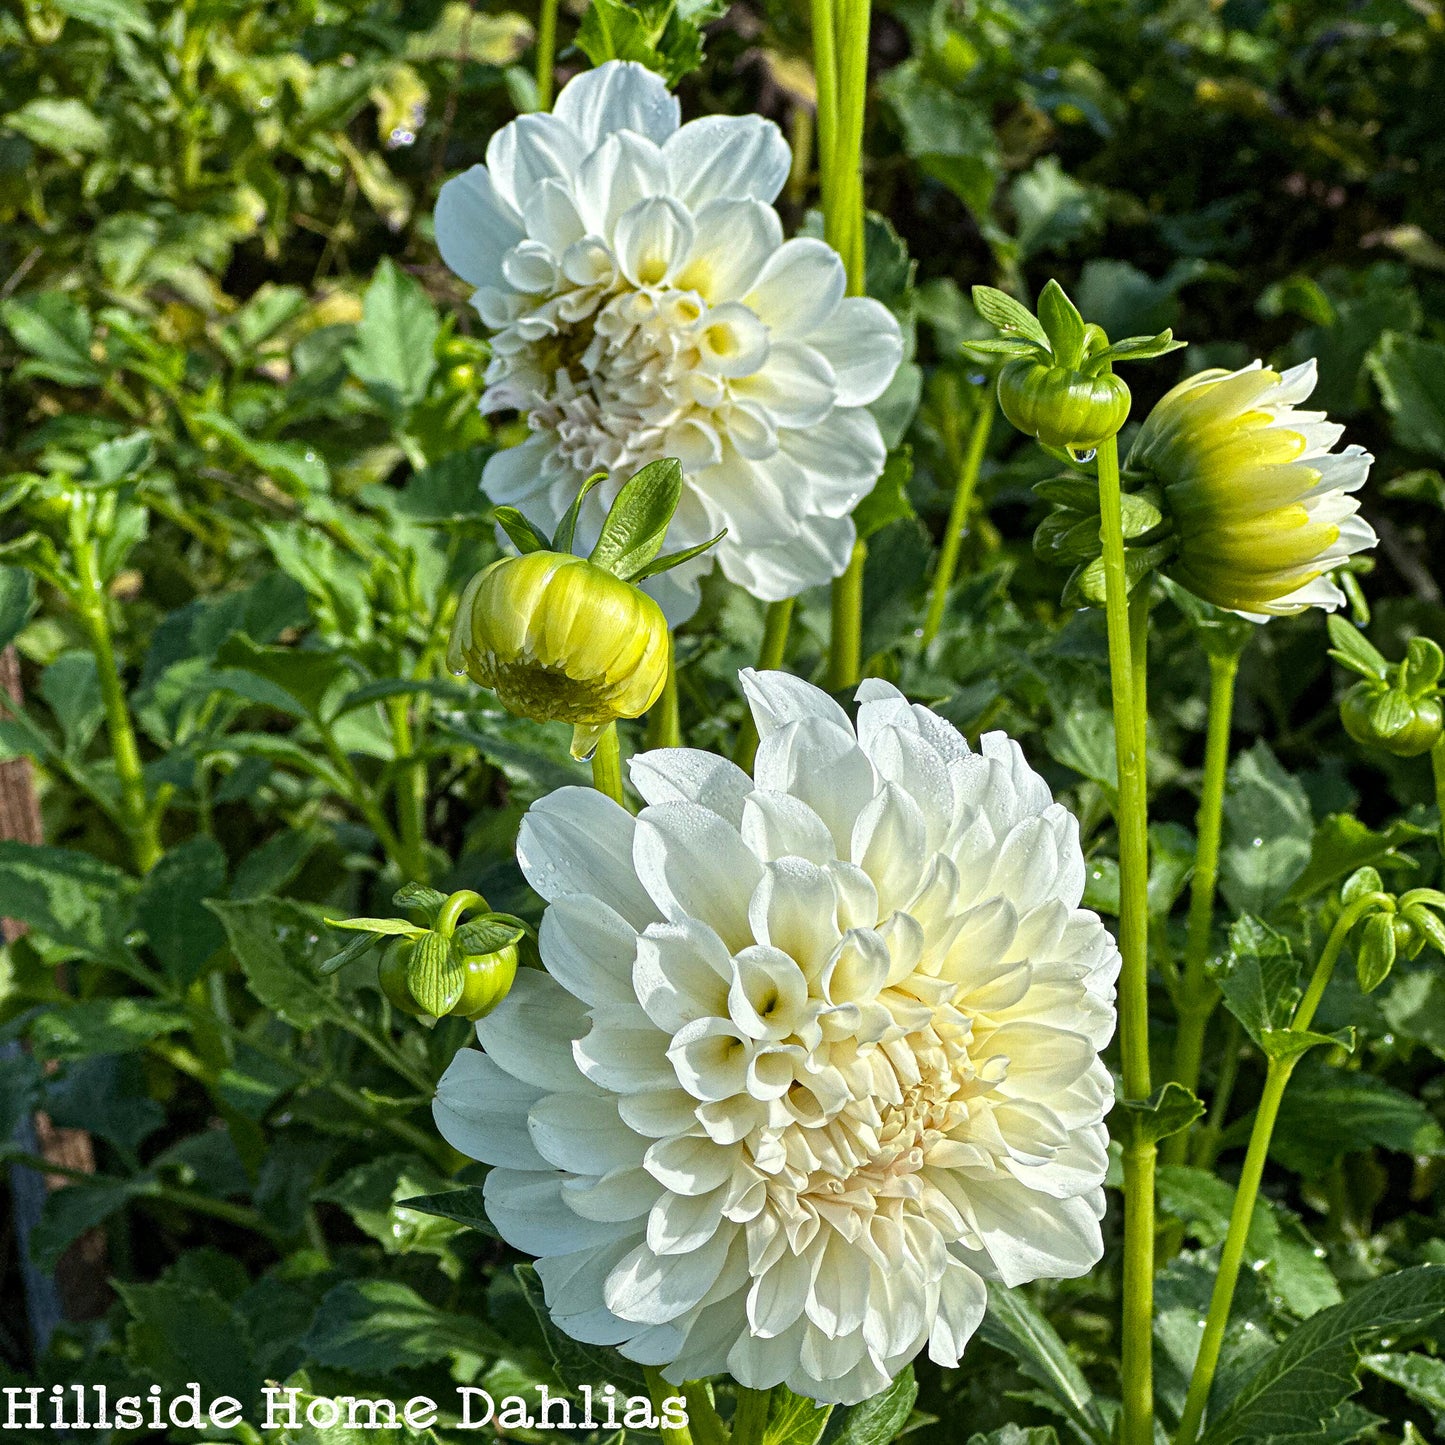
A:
(1317, 1367)
(462, 1206)
(578, 1364)
(794, 1419)
(393, 354)
(280, 946)
(1170, 1108)
(1342, 844)
(377, 1326)
(56, 332)
(1259, 978)
(889, 500)
(880, 1419)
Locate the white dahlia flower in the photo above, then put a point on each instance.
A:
(815, 1055)
(1263, 508)
(643, 303)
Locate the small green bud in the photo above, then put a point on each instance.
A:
(1385, 716)
(1375, 953)
(1061, 407)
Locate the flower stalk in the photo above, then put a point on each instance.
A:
(1277, 1076)
(607, 765)
(140, 816)
(546, 52)
(1437, 768)
(840, 61)
(963, 495)
(1125, 661)
(1197, 994)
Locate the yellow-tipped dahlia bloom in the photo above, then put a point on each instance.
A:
(560, 639)
(1262, 508)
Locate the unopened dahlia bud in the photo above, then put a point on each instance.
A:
(1058, 386)
(559, 639)
(1397, 707)
(1261, 507)
(443, 967)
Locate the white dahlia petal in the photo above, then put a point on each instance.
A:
(642, 303)
(819, 1054)
(620, 96)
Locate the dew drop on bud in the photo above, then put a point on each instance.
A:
(1082, 456)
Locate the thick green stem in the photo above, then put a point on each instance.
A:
(410, 792)
(751, 1417)
(141, 820)
(1231, 1256)
(845, 651)
(664, 722)
(1133, 824)
(1197, 994)
(776, 622)
(963, 494)
(607, 766)
(659, 1391)
(840, 61)
(546, 53)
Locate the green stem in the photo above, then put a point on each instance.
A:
(658, 1391)
(702, 1416)
(963, 495)
(664, 722)
(1197, 995)
(1133, 824)
(141, 820)
(189, 1199)
(776, 622)
(1437, 766)
(840, 61)
(546, 53)
(1276, 1079)
(751, 1416)
(845, 651)
(607, 766)
(410, 792)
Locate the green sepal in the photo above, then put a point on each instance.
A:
(638, 520)
(1072, 490)
(1001, 346)
(1359, 883)
(418, 895)
(1135, 348)
(435, 976)
(1422, 666)
(1086, 586)
(489, 934)
(567, 527)
(669, 560)
(1170, 1109)
(1063, 325)
(397, 927)
(353, 950)
(1352, 650)
(1429, 927)
(524, 536)
(1000, 309)
(1375, 951)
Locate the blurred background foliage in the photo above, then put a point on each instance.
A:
(240, 444)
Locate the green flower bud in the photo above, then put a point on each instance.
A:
(1375, 952)
(560, 639)
(1377, 715)
(1061, 407)
(487, 979)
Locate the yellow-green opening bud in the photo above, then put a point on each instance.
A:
(559, 639)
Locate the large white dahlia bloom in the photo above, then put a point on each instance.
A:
(815, 1055)
(643, 303)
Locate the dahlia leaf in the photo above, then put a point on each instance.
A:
(668, 560)
(578, 1364)
(1000, 309)
(1065, 327)
(1168, 1110)
(1014, 1326)
(888, 501)
(795, 1419)
(1317, 1368)
(1259, 978)
(461, 1206)
(394, 354)
(878, 1420)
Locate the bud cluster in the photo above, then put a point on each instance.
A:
(1393, 927)
(443, 967)
(1397, 706)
